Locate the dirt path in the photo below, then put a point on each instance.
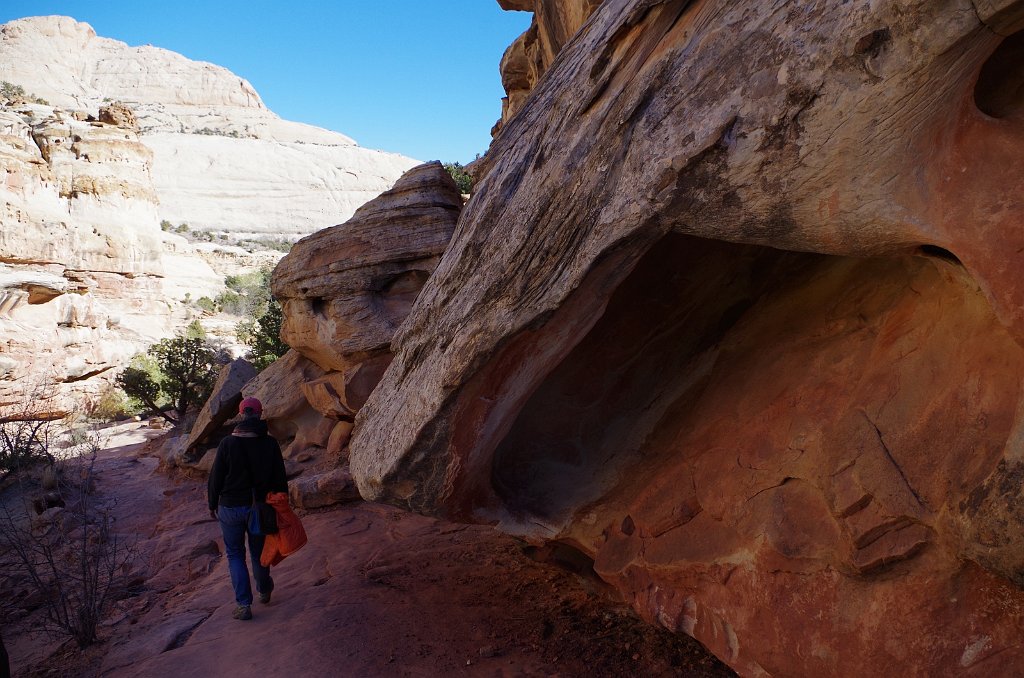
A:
(376, 592)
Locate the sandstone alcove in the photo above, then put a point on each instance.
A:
(747, 332)
(999, 92)
(649, 354)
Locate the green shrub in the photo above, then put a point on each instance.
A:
(179, 371)
(248, 294)
(113, 404)
(265, 243)
(166, 225)
(195, 330)
(207, 304)
(462, 178)
(9, 90)
(263, 336)
(231, 302)
(278, 244)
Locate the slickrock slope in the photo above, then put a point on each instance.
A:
(87, 276)
(807, 459)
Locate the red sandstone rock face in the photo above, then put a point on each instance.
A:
(344, 290)
(809, 462)
(530, 56)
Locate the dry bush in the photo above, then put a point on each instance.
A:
(59, 552)
(28, 430)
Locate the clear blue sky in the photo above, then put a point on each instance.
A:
(418, 77)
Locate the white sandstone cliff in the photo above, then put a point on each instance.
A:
(87, 275)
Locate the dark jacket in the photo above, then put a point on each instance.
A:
(248, 464)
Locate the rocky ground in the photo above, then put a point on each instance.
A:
(376, 592)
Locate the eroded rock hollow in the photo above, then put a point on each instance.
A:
(736, 311)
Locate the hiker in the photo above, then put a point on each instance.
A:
(247, 466)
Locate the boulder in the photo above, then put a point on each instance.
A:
(221, 406)
(734, 313)
(285, 407)
(337, 444)
(344, 290)
(118, 114)
(171, 449)
(339, 395)
(201, 460)
(325, 489)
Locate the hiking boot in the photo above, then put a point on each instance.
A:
(242, 612)
(265, 598)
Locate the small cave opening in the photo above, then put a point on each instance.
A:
(593, 413)
(999, 91)
(564, 556)
(937, 252)
(319, 306)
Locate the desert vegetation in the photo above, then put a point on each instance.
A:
(257, 244)
(209, 131)
(27, 431)
(462, 178)
(172, 375)
(58, 553)
(249, 296)
(178, 373)
(12, 93)
(263, 336)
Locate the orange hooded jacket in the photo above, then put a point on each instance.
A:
(290, 535)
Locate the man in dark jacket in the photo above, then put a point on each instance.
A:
(247, 466)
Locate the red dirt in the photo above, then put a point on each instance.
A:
(376, 592)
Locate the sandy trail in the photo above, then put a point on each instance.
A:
(376, 592)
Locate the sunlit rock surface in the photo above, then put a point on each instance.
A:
(346, 289)
(109, 141)
(221, 160)
(87, 277)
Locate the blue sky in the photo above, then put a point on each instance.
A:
(418, 77)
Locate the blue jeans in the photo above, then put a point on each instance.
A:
(233, 521)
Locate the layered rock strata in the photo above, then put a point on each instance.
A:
(259, 174)
(83, 263)
(344, 291)
(109, 141)
(804, 458)
(529, 57)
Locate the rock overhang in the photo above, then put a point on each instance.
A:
(849, 190)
